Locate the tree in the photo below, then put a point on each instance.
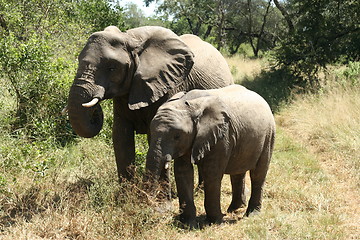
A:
(226, 23)
(189, 16)
(99, 13)
(255, 40)
(255, 26)
(135, 17)
(256, 22)
(286, 16)
(324, 32)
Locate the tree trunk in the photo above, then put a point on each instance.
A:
(221, 26)
(285, 15)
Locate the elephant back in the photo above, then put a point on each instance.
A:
(210, 69)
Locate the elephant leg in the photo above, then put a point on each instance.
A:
(257, 177)
(124, 144)
(184, 177)
(212, 172)
(238, 192)
(124, 147)
(212, 189)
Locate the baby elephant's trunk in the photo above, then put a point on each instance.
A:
(158, 171)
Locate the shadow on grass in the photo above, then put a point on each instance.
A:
(35, 200)
(202, 222)
(275, 86)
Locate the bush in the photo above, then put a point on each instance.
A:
(39, 42)
(352, 73)
(39, 84)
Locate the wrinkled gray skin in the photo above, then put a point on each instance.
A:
(224, 131)
(139, 69)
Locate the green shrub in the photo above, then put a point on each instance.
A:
(352, 73)
(39, 82)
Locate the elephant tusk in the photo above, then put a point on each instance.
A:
(64, 111)
(91, 103)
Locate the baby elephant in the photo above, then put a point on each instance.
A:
(224, 131)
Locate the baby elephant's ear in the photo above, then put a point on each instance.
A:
(212, 125)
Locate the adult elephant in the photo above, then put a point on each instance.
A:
(139, 69)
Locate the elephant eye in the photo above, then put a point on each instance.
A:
(112, 69)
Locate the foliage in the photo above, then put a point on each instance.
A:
(226, 23)
(135, 17)
(255, 22)
(196, 17)
(305, 36)
(351, 74)
(38, 84)
(32, 68)
(23, 18)
(325, 32)
(99, 13)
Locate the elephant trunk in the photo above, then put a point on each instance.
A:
(86, 120)
(156, 164)
(156, 160)
(153, 166)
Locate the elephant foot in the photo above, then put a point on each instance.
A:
(252, 211)
(127, 174)
(189, 222)
(233, 208)
(214, 219)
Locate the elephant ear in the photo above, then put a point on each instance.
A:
(212, 125)
(163, 62)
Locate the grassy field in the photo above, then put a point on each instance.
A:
(312, 189)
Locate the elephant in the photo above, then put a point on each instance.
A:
(139, 69)
(230, 130)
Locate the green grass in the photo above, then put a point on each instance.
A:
(71, 192)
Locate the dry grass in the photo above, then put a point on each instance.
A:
(311, 191)
(243, 68)
(328, 124)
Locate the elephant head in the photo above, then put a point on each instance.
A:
(189, 125)
(141, 65)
